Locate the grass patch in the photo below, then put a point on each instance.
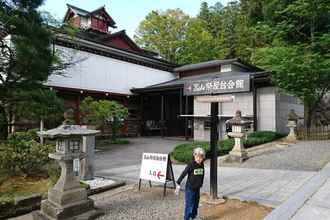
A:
(183, 152)
(21, 186)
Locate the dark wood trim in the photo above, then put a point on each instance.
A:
(255, 110)
(162, 115)
(101, 93)
(116, 55)
(78, 115)
(186, 119)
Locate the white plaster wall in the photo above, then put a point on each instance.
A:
(266, 108)
(242, 101)
(284, 103)
(106, 74)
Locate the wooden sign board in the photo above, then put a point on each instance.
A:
(156, 167)
(209, 99)
(220, 85)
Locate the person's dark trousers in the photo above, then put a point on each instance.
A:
(191, 203)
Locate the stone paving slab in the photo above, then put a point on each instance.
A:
(311, 201)
(268, 187)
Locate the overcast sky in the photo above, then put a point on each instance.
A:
(127, 13)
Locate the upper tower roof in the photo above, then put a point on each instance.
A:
(98, 19)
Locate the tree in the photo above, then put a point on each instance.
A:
(42, 105)
(300, 55)
(104, 112)
(163, 32)
(198, 45)
(26, 55)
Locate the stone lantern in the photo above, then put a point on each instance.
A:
(292, 124)
(238, 124)
(67, 199)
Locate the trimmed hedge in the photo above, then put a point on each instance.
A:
(183, 152)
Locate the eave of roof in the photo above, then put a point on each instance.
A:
(126, 55)
(123, 34)
(215, 63)
(262, 76)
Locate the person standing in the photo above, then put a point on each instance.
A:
(195, 172)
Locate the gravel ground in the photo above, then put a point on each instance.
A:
(144, 205)
(149, 204)
(304, 155)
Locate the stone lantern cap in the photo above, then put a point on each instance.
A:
(238, 120)
(67, 131)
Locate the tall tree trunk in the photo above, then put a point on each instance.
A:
(41, 129)
(308, 113)
(3, 123)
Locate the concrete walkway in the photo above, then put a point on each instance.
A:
(268, 187)
(312, 201)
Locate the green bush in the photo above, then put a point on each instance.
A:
(23, 136)
(261, 137)
(54, 171)
(183, 152)
(21, 153)
(119, 141)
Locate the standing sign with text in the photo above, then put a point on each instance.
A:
(218, 85)
(154, 167)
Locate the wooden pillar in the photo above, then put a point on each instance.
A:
(162, 122)
(142, 115)
(186, 119)
(255, 104)
(124, 129)
(77, 116)
(180, 102)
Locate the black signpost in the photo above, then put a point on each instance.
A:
(213, 86)
(214, 136)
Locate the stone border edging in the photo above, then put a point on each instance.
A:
(20, 206)
(289, 208)
(105, 188)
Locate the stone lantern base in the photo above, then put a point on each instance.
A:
(77, 206)
(238, 153)
(83, 210)
(237, 156)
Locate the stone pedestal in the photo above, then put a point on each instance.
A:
(238, 153)
(292, 136)
(87, 163)
(67, 200)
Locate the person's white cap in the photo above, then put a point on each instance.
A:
(199, 151)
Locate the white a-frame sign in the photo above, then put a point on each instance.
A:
(156, 168)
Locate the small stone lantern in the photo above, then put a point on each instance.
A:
(238, 153)
(67, 199)
(292, 124)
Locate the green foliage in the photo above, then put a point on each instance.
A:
(104, 112)
(198, 44)
(120, 141)
(183, 152)
(54, 171)
(41, 104)
(22, 154)
(162, 32)
(27, 60)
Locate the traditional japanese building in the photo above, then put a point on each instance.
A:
(162, 98)
(107, 64)
(181, 113)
